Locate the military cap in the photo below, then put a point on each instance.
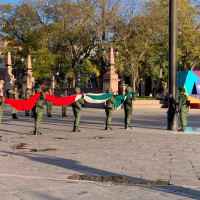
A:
(109, 90)
(14, 86)
(181, 89)
(128, 89)
(38, 90)
(77, 90)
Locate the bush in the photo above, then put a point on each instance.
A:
(149, 98)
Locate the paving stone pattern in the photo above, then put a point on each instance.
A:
(146, 153)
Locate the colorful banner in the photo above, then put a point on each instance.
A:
(190, 80)
(28, 104)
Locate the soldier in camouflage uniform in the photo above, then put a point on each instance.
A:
(49, 104)
(77, 106)
(32, 94)
(109, 109)
(183, 108)
(38, 111)
(64, 108)
(1, 104)
(14, 95)
(128, 107)
(27, 95)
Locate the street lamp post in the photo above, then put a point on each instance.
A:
(172, 115)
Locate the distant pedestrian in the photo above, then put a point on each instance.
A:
(77, 106)
(1, 104)
(109, 109)
(183, 108)
(128, 106)
(64, 108)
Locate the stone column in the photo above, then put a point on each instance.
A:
(53, 83)
(110, 78)
(28, 80)
(9, 77)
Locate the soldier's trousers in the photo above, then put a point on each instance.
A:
(109, 116)
(183, 118)
(1, 112)
(127, 118)
(14, 111)
(38, 118)
(64, 110)
(27, 112)
(49, 107)
(77, 115)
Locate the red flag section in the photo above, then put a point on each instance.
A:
(23, 105)
(61, 101)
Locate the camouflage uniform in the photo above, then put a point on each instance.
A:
(64, 108)
(77, 106)
(49, 104)
(32, 94)
(128, 108)
(14, 95)
(27, 96)
(1, 104)
(109, 109)
(183, 108)
(38, 111)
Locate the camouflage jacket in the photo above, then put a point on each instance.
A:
(2, 102)
(77, 105)
(110, 103)
(14, 95)
(128, 101)
(183, 103)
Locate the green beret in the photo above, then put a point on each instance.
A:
(77, 90)
(109, 90)
(128, 89)
(15, 86)
(181, 89)
(38, 90)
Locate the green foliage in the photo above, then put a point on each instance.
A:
(70, 35)
(87, 70)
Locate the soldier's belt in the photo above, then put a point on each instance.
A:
(39, 106)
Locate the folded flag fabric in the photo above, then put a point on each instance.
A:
(23, 105)
(62, 101)
(28, 104)
(97, 98)
(120, 100)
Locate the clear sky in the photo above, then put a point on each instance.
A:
(10, 1)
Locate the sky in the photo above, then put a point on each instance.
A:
(10, 1)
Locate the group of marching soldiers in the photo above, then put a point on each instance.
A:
(37, 110)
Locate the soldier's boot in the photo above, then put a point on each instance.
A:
(76, 129)
(127, 127)
(108, 127)
(36, 132)
(14, 116)
(182, 129)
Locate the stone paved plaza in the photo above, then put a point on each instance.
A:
(147, 153)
